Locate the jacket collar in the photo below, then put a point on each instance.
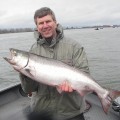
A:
(42, 41)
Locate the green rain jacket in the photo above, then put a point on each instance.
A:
(65, 105)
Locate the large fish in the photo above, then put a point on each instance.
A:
(52, 72)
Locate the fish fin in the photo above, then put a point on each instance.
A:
(30, 71)
(114, 94)
(82, 93)
(58, 89)
(106, 103)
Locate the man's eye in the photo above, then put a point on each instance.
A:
(47, 21)
(40, 23)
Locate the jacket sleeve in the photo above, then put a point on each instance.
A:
(28, 85)
(80, 59)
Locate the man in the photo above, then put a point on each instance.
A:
(52, 43)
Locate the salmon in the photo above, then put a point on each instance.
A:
(53, 73)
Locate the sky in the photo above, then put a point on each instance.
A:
(77, 13)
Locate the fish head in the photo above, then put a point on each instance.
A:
(18, 58)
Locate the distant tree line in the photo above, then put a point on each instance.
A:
(16, 30)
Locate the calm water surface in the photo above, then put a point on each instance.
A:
(102, 48)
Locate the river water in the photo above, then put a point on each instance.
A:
(102, 48)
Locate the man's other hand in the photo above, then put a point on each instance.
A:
(66, 87)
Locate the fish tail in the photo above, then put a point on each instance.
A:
(108, 100)
(114, 94)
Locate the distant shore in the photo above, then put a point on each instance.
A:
(97, 26)
(19, 30)
(16, 30)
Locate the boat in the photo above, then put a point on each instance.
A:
(97, 28)
(15, 105)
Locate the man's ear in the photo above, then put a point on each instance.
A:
(37, 28)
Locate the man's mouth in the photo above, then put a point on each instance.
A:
(46, 30)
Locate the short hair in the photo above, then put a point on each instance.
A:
(43, 12)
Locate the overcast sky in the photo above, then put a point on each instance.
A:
(19, 13)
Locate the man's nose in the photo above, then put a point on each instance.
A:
(45, 25)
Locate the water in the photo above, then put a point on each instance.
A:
(102, 48)
(23, 41)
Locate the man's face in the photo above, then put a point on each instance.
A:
(46, 26)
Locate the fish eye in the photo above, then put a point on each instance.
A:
(15, 53)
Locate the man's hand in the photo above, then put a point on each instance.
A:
(66, 87)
